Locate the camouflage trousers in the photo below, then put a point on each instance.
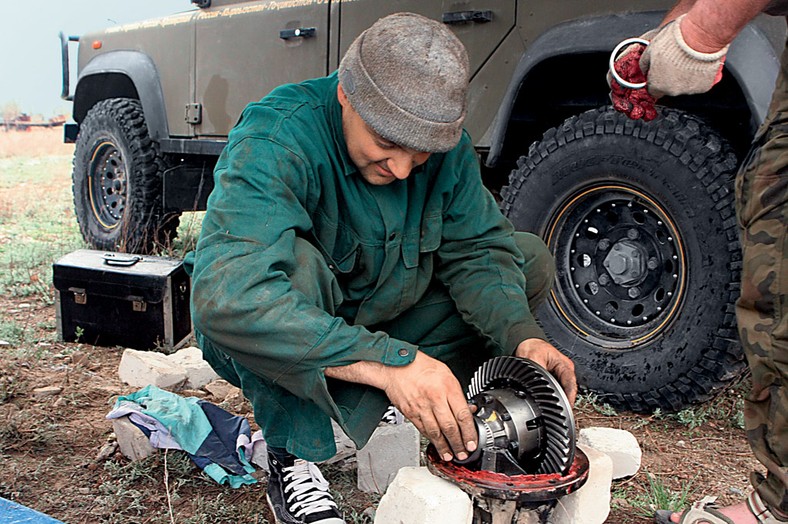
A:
(762, 309)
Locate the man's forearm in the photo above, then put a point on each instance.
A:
(362, 372)
(710, 25)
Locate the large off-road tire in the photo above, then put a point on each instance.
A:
(117, 181)
(640, 219)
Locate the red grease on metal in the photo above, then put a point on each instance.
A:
(635, 103)
(525, 488)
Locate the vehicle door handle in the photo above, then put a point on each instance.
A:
(302, 32)
(464, 17)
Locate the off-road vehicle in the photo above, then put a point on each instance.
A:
(640, 216)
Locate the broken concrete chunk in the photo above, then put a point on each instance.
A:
(140, 368)
(132, 441)
(184, 367)
(198, 371)
(416, 496)
(620, 445)
(390, 448)
(591, 503)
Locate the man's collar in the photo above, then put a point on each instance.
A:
(334, 109)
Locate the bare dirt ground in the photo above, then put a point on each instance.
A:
(56, 452)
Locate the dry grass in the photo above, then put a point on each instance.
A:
(35, 142)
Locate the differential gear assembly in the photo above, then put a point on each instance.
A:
(526, 448)
(523, 417)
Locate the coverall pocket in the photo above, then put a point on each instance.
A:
(431, 232)
(338, 245)
(762, 184)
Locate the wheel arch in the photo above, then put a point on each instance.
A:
(576, 53)
(129, 74)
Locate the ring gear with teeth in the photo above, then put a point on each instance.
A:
(523, 418)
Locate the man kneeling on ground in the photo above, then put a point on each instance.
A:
(350, 259)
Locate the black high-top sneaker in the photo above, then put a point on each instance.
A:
(298, 492)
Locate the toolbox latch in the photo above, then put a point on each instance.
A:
(80, 297)
(138, 304)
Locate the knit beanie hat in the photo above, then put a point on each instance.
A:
(407, 77)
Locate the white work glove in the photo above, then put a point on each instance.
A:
(674, 68)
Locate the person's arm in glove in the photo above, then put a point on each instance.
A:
(687, 52)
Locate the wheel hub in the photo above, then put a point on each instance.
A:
(625, 263)
(107, 179)
(620, 265)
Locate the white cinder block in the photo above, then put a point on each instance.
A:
(140, 368)
(390, 448)
(416, 496)
(132, 441)
(620, 445)
(198, 372)
(591, 503)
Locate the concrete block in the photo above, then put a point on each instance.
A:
(132, 441)
(140, 368)
(198, 371)
(591, 503)
(416, 496)
(390, 448)
(620, 445)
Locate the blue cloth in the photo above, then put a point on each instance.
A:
(13, 513)
(214, 439)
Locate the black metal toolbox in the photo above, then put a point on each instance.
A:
(118, 299)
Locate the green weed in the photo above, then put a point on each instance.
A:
(658, 496)
(220, 509)
(11, 331)
(188, 233)
(590, 400)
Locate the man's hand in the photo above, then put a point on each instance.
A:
(547, 356)
(429, 395)
(672, 67)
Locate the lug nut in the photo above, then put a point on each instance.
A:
(604, 279)
(632, 234)
(633, 292)
(652, 263)
(604, 244)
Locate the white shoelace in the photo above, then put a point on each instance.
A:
(309, 489)
(393, 416)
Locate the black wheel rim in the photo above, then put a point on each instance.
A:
(107, 185)
(620, 265)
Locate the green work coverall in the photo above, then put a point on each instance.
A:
(302, 265)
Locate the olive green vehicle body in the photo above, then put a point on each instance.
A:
(533, 64)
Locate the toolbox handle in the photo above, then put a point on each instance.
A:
(111, 259)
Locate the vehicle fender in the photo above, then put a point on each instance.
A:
(755, 64)
(752, 61)
(140, 70)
